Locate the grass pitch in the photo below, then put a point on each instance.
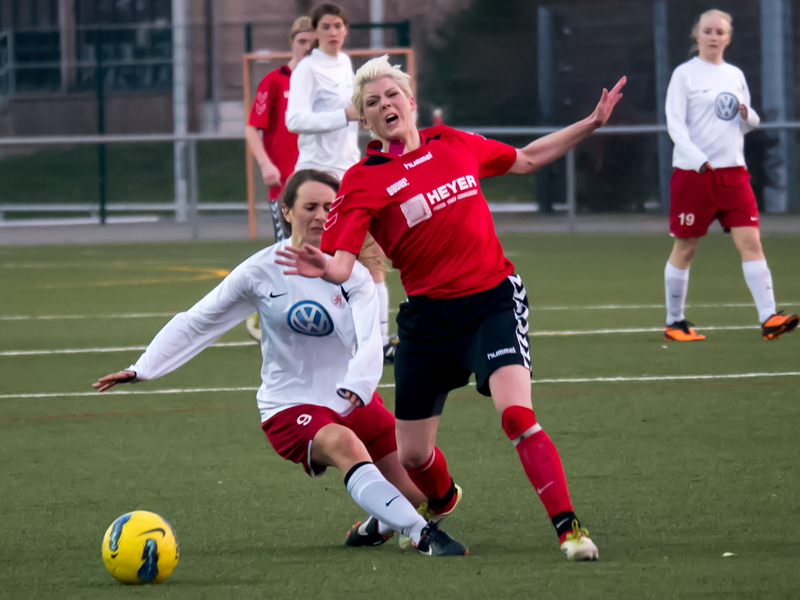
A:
(668, 474)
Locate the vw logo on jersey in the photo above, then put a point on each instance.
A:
(310, 318)
(727, 106)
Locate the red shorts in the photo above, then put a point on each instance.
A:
(292, 430)
(696, 199)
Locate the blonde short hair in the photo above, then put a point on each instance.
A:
(696, 27)
(372, 71)
(301, 25)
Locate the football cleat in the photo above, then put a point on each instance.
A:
(429, 515)
(681, 331)
(435, 542)
(390, 349)
(577, 546)
(253, 327)
(365, 533)
(777, 325)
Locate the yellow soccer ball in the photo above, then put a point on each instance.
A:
(140, 547)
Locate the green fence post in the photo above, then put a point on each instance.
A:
(101, 128)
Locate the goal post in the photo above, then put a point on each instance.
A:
(256, 65)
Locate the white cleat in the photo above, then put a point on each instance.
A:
(578, 547)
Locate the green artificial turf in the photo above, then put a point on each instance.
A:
(667, 475)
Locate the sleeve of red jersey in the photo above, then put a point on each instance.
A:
(348, 222)
(494, 158)
(259, 114)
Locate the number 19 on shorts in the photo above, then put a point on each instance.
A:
(686, 218)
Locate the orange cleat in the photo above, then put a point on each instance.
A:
(681, 331)
(777, 325)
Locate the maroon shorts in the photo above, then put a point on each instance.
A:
(292, 430)
(696, 199)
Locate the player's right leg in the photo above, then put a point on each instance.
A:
(424, 373)
(692, 210)
(676, 284)
(338, 446)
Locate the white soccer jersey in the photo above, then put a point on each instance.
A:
(703, 115)
(316, 337)
(320, 89)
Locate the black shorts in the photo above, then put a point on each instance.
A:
(442, 342)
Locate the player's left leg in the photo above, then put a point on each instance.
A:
(759, 280)
(511, 391)
(500, 359)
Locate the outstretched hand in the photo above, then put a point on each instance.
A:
(607, 103)
(308, 262)
(109, 381)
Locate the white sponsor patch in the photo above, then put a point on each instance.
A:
(419, 161)
(416, 210)
(397, 186)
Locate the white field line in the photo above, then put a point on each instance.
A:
(391, 310)
(112, 349)
(70, 317)
(254, 343)
(389, 385)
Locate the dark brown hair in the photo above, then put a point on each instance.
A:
(289, 196)
(328, 8)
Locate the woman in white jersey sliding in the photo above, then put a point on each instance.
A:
(708, 113)
(321, 111)
(322, 363)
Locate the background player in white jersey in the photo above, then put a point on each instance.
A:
(321, 111)
(708, 112)
(322, 363)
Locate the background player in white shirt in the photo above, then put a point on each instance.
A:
(321, 111)
(322, 362)
(708, 112)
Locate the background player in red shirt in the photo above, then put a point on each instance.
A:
(272, 144)
(417, 193)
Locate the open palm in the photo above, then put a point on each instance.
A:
(308, 261)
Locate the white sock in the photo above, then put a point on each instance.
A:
(383, 300)
(759, 280)
(676, 282)
(382, 500)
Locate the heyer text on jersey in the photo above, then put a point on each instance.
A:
(455, 188)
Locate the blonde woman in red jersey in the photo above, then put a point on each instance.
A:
(417, 193)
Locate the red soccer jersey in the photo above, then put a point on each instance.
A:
(427, 212)
(269, 115)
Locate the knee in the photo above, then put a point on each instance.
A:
(412, 458)
(686, 251)
(750, 246)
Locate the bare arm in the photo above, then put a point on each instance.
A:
(312, 262)
(269, 172)
(551, 147)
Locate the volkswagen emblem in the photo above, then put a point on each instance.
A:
(310, 318)
(727, 106)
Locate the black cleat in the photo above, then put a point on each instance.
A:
(389, 350)
(365, 533)
(435, 542)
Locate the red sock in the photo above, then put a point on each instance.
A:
(435, 482)
(541, 463)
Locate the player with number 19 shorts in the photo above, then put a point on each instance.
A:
(418, 194)
(322, 361)
(708, 113)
